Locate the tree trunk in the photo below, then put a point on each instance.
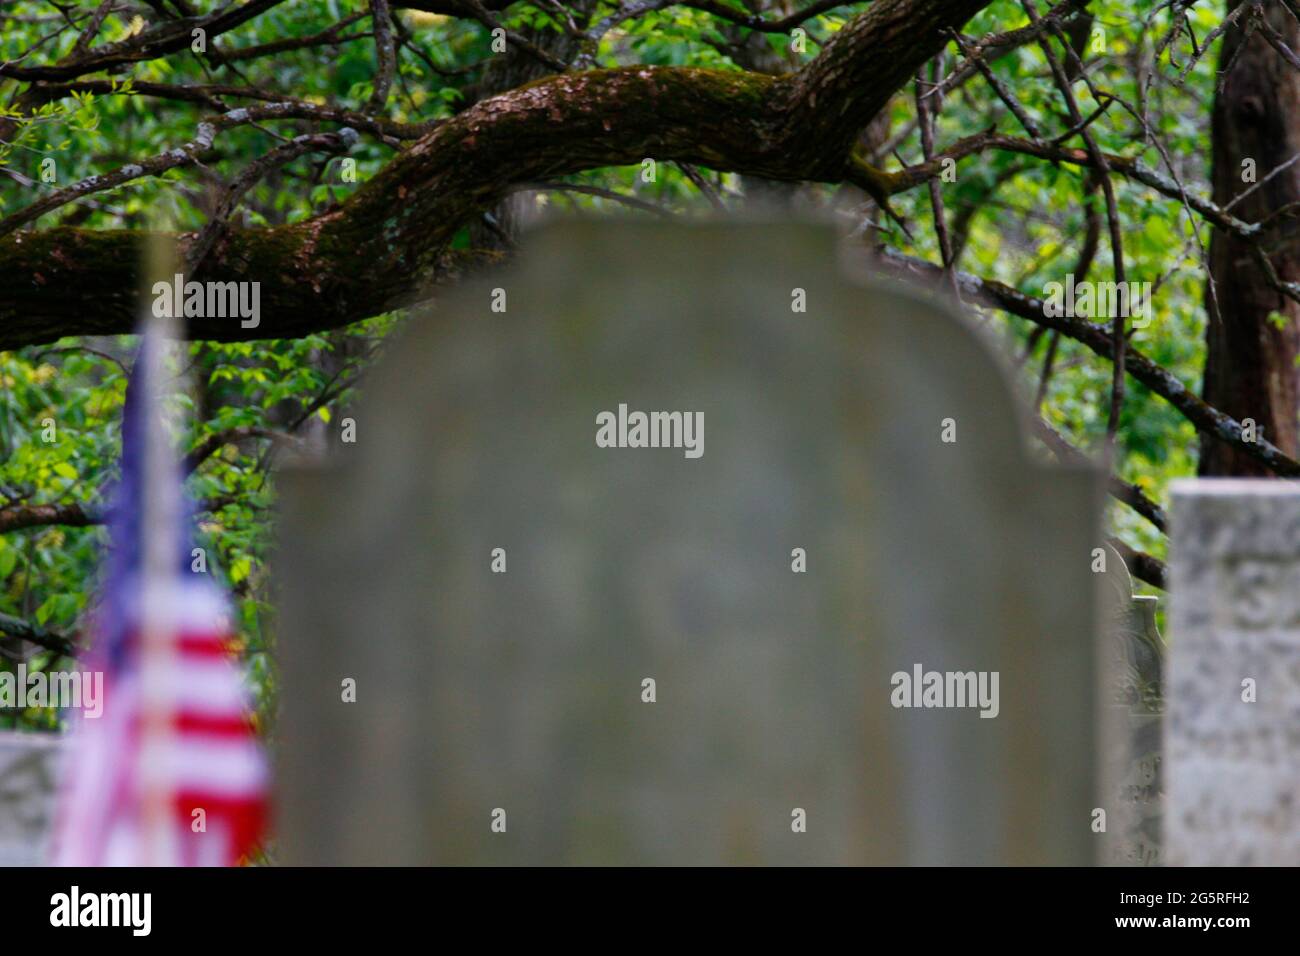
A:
(1252, 337)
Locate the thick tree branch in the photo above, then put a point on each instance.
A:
(1207, 419)
(16, 517)
(36, 634)
(211, 94)
(218, 440)
(387, 244)
(167, 37)
(85, 515)
(1141, 565)
(912, 176)
(1121, 490)
(74, 515)
(859, 70)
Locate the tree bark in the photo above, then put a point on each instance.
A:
(1251, 353)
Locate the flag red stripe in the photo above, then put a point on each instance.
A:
(214, 725)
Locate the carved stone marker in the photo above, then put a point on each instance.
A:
(1134, 708)
(28, 774)
(575, 635)
(1232, 738)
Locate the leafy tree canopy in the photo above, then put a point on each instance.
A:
(355, 156)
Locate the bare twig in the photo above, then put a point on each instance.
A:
(385, 58)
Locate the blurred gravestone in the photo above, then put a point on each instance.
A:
(1134, 706)
(28, 768)
(507, 716)
(1232, 739)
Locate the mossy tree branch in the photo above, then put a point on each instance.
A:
(389, 242)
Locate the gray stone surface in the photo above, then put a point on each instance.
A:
(28, 774)
(1233, 767)
(1134, 713)
(523, 691)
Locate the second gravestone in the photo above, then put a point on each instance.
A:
(675, 546)
(1232, 733)
(28, 790)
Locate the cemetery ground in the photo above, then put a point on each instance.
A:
(457, 433)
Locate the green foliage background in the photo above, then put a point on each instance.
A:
(1025, 227)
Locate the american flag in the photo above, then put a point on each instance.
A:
(171, 773)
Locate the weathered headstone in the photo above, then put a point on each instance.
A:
(28, 774)
(504, 643)
(1232, 737)
(1134, 708)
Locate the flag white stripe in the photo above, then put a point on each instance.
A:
(208, 686)
(224, 767)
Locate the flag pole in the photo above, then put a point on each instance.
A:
(161, 505)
